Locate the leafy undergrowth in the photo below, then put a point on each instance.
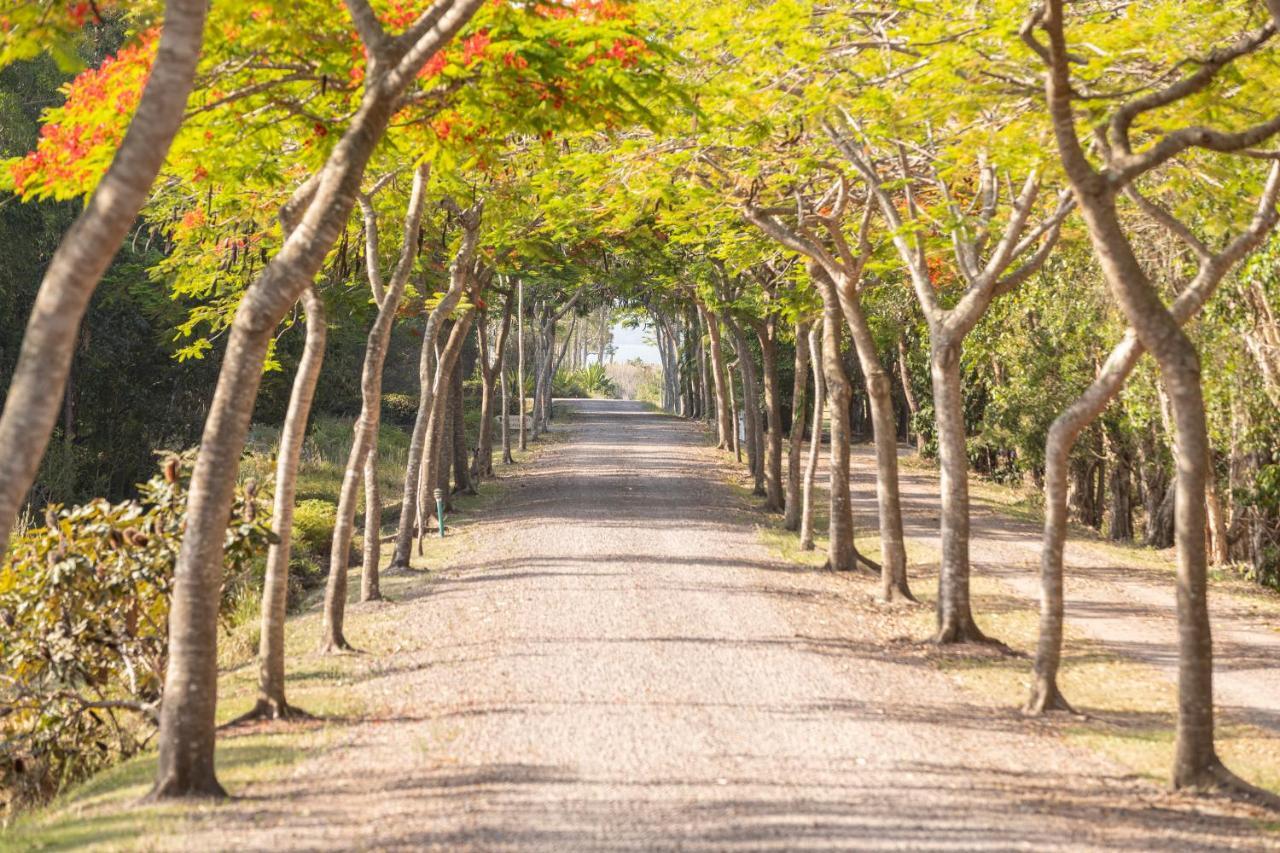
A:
(104, 813)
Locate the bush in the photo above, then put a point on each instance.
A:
(590, 381)
(84, 604)
(399, 409)
(313, 523)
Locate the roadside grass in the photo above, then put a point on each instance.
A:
(105, 813)
(1127, 707)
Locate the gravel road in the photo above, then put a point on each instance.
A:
(620, 664)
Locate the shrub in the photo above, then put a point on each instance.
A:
(84, 604)
(313, 523)
(399, 409)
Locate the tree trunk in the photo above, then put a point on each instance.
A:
(909, 394)
(506, 414)
(39, 378)
(435, 474)
(879, 387)
(1219, 553)
(459, 279)
(370, 589)
(185, 763)
(955, 616)
(488, 370)
(814, 343)
(766, 334)
(271, 702)
(1120, 488)
(795, 447)
(457, 406)
(520, 359)
(364, 439)
(725, 425)
(750, 406)
(842, 553)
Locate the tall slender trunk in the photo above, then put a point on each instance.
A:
(814, 343)
(435, 475)
(909, 394)
(364, 439)
(726, 428)
(370, 586)
(955, 614)
(520, 359)
(185, 761)
(750, 406)
(459, 279)
(893, 552)
(766, 334)
(483, 466)
(795, 447)
(37, 387)
(271, 702)
(842, 553)
(457, 405)
(506, 414)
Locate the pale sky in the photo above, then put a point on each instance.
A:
(633, 343)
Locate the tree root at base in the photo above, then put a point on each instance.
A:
(271, 711)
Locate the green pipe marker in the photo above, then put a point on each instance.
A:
(440, 510)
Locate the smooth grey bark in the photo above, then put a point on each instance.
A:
(795, 447)
(433, 474)
(483, 466)
(814, 343)
(750, 405)
(272, 703)
(364, 438)
(461, 471)
(370, 582)
(908, 393)
(725, 428)
(767, 334)
(840, 277)
(185, 765)
(36, 390)
(1196, 763)
(1018, 252)
(460, 272)
(524, 443)
(842, 553)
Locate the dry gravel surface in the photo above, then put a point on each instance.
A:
(620, 664)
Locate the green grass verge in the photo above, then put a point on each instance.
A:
(105, 812)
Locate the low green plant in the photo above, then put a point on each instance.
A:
(313, 523)
(399, 409)
(84, 604)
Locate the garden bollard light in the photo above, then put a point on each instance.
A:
(440, 510)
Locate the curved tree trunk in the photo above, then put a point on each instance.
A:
(48, 344)
(459, 277)
(364, 439)
(506, 414)
(185, 763)
(893, 552)
(434, 474)
(271, 702)
(795, 447)
(908, 393)
(814, 343)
